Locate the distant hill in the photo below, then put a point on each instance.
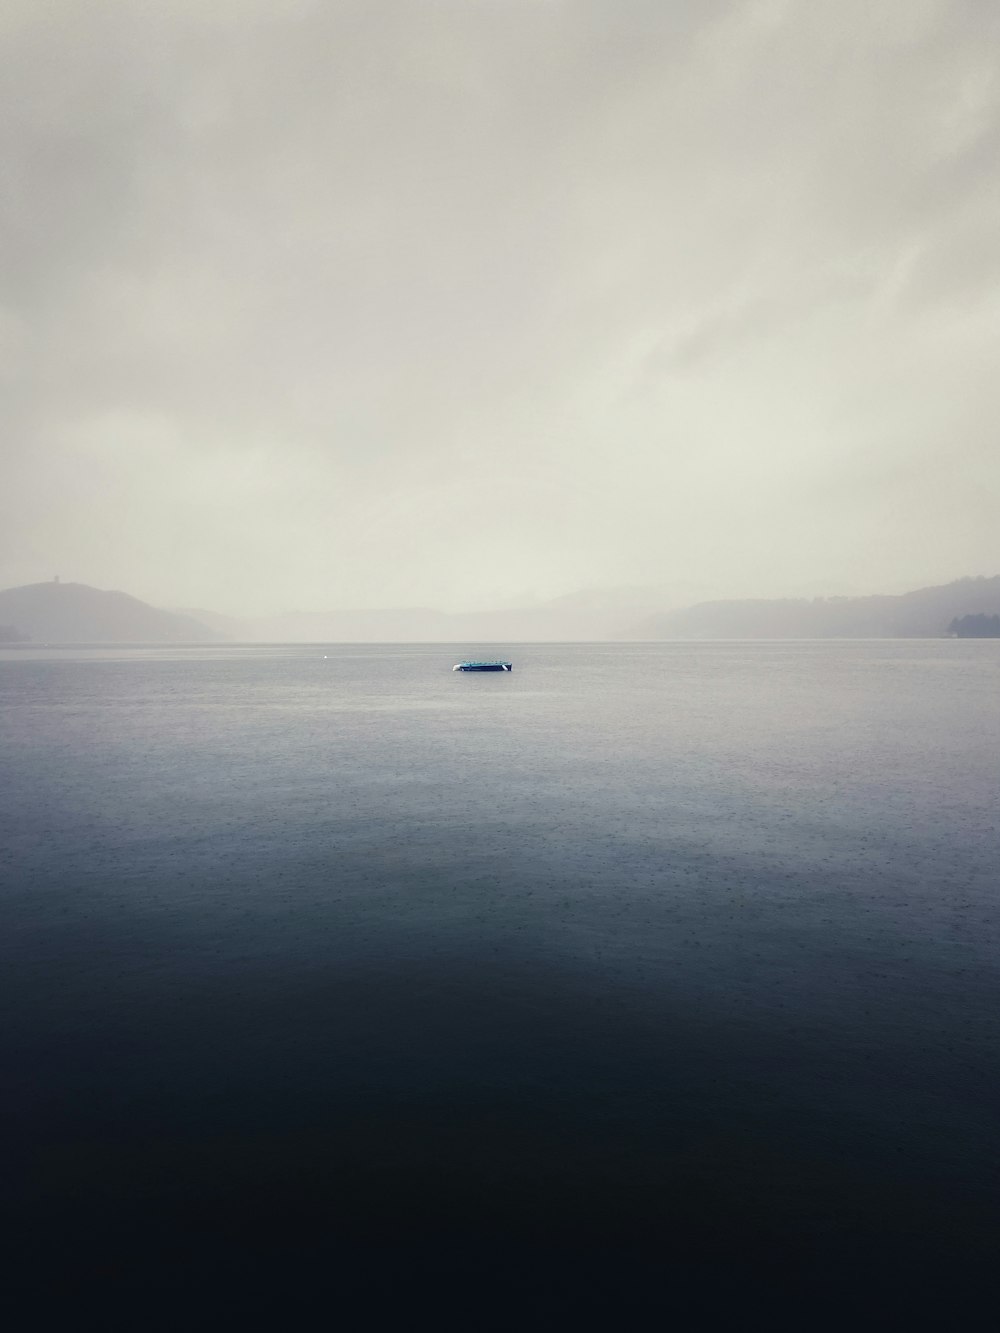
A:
(76, 613)
(223, 627)
(603, 613)
(926, 613)
(67, 612)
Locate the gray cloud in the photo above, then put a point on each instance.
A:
(454, 301)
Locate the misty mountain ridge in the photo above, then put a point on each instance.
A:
(58, 612)
(584, 616)
(76, 613)
(924, 613)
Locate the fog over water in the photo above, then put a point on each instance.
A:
(302, 301)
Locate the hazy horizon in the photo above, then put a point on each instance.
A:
(620, 600)
(472, 305)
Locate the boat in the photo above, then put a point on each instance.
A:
(483, 666)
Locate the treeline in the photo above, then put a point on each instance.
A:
(975, 627)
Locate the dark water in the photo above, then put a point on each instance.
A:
(662, 977)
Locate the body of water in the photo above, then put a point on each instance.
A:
(672, 967)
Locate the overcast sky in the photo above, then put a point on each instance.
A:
(462, 303)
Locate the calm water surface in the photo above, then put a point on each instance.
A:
(676, 963)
